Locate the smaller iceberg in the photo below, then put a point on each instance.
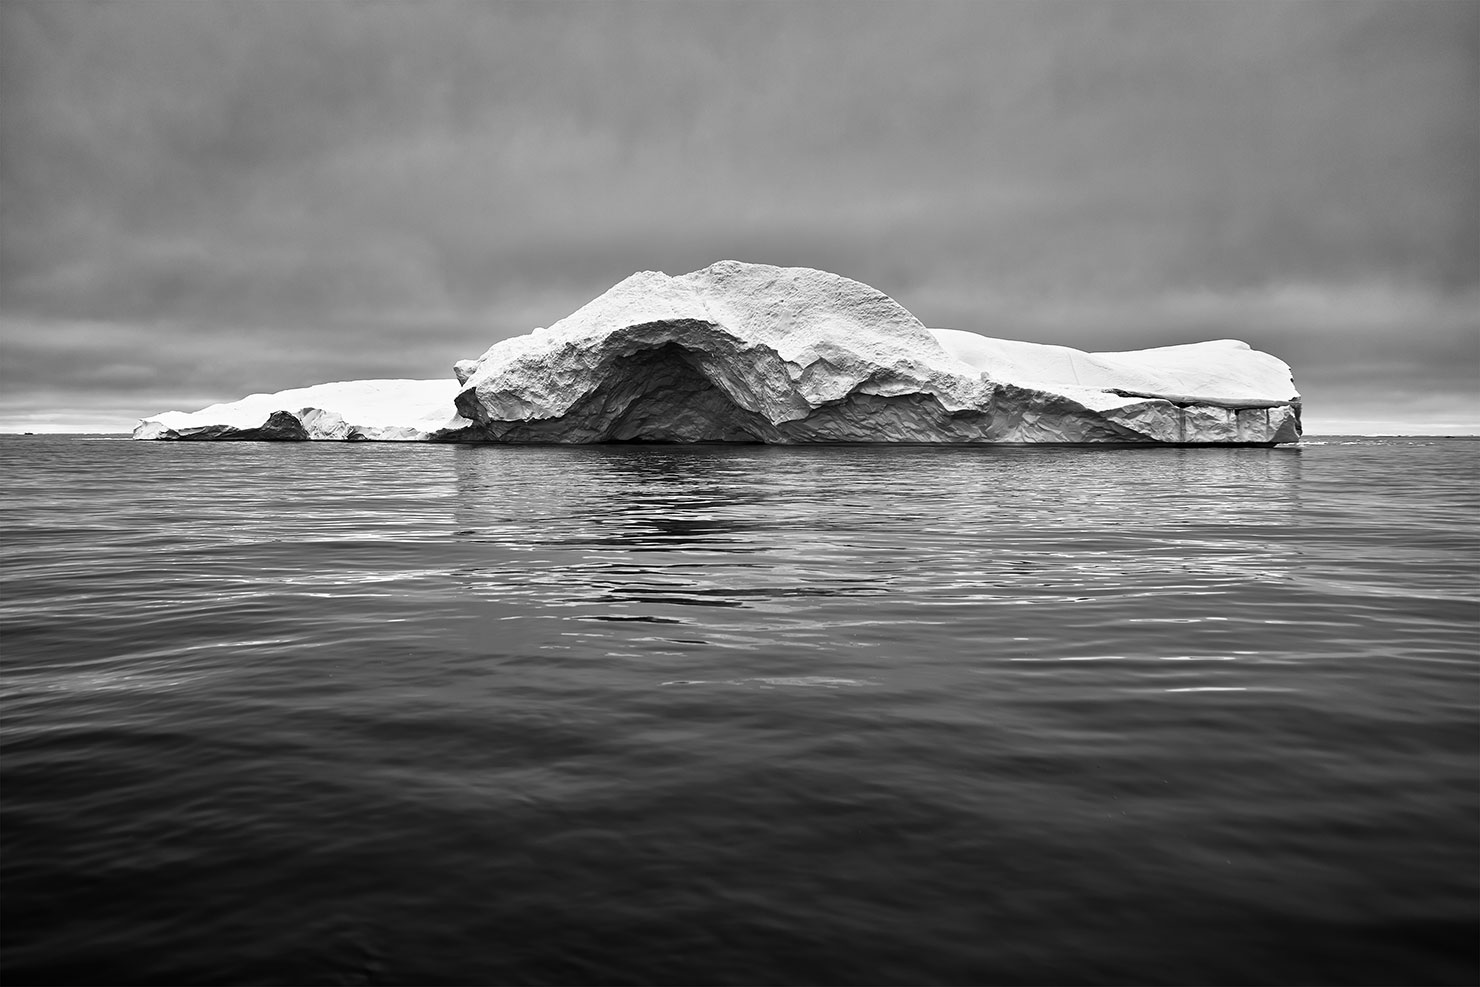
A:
(352, 410)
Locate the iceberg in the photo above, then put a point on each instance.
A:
(753, 353)
(352, 410)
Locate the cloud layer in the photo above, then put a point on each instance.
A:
(204, 200)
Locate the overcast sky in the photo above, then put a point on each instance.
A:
(202, 200)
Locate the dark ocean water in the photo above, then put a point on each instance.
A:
(430, 714)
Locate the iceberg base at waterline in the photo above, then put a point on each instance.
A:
(752, 353)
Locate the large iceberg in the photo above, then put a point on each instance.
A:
(753, 353)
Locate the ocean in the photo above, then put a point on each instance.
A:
(379, 714)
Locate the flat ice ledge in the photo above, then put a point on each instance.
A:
(1224, 373)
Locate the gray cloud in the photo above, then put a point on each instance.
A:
(201, 200)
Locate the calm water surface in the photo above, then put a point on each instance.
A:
(390, 714)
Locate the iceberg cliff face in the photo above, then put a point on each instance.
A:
(752, 353)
